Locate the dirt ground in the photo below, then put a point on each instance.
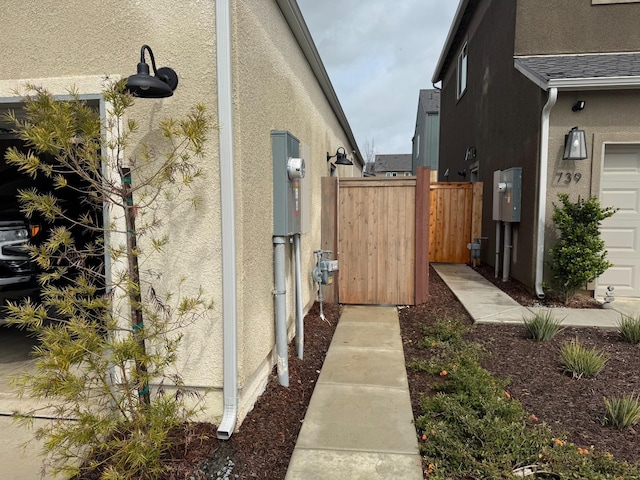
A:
(265, 442)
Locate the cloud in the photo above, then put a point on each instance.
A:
(379, 54)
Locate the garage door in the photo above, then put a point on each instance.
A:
(621, 233)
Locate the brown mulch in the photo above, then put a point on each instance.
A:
(263, 446)
(567, 405)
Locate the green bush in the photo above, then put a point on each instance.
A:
(622, 412)
(579, 256)
(542, 327)
(581, 361)
(629, 329)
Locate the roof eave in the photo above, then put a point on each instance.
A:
(298, 26)
(590, 83)
(437, 75)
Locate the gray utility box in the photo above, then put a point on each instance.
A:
(288, 169)
(507, 194)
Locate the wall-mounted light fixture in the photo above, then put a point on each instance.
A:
(463, 173)
(162, 84)
(341, 157)
(579, 105)
(575, 145)
(470, 154)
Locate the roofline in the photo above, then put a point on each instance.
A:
(590, 83)
(298, 26)
(449, 42)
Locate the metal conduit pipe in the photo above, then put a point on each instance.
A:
(299, 316)
(542, 188)
(281, 310)
(497, 266)
(506, 254)
(228, 218)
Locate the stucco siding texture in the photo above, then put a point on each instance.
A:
(275, 89)
(46, 39)
(575, 26)
(608, 117)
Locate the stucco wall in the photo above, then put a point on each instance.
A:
(275, 89)
(573, 26)
(608, 117)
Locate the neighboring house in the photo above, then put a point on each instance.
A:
(516, 77)
(397, 165)
(254, 65)
(426, 136)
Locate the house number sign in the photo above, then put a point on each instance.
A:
(568, 177)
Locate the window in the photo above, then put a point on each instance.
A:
(462, 71)
(407, 174)
(392, 174)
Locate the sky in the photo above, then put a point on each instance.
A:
(379, 54)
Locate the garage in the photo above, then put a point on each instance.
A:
(620, 188)
(18, 275)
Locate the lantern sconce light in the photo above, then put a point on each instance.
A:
(575, 145)
(341, 157)
(162, 84)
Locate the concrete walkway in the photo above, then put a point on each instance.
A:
(486, 303)
(359, 424)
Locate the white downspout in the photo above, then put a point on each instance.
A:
(228, 214)
(542, 191)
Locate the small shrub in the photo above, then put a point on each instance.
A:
(581, 361)
(629, 329)
(622, 412)
(579, 256)
(542, 327)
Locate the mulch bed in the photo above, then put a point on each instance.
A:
(263, 446)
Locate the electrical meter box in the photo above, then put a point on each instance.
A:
(288, 169)
(510, 189)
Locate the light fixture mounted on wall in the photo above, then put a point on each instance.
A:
(579, 105)
(575, 145)
(341, 157)
(161, 85)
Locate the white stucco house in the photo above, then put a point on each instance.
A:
(254, 65)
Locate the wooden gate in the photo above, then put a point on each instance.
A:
(381, 233)
(455, 219)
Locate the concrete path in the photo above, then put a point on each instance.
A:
(486, 303)
(359, 424)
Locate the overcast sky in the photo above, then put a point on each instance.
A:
(379, 54)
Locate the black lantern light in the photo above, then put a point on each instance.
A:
(161, 85)
(575, 145)
(341, 157)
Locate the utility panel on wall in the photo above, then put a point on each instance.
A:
(507, 194)
(288, 170)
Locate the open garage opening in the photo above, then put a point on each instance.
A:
(19, 275)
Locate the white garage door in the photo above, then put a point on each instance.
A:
(621, 233)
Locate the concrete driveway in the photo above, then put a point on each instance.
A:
(19, 462)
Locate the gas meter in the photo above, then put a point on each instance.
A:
(324, 269)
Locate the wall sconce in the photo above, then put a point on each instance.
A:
(575, 145)
(470, 154)
(579, 105)
(341, 157)
(144, 85)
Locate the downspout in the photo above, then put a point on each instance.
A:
(228, 214)
(542, 191)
